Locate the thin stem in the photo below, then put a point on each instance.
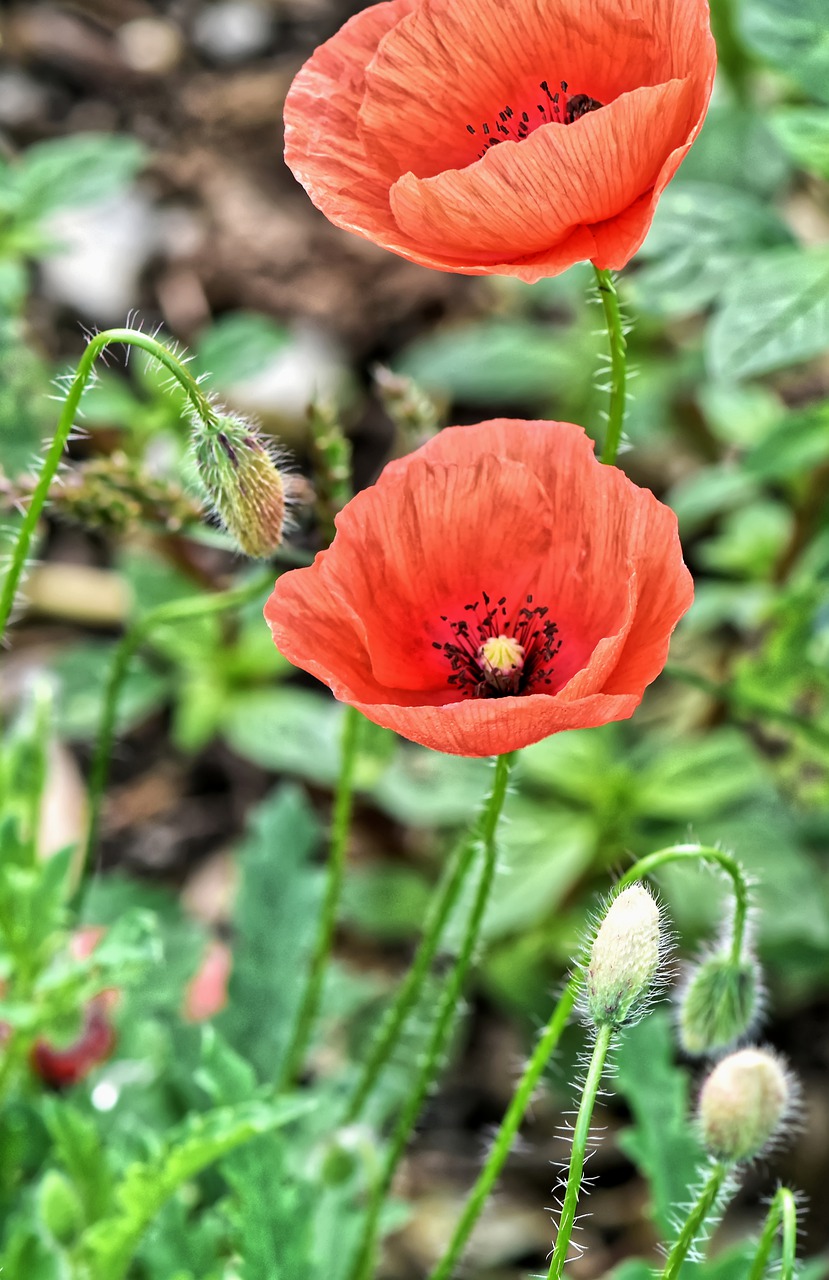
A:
(500, 1149)
(705, 1206)
(618, 364)
(706, 853)
(551, 1035)
(782, 1216)
(48, 471)
(340, 828)
(581, 1135)
(131, 641)
(446, 1015)
(407, 996)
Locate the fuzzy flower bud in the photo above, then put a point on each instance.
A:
(239, 472)
(743, 1103)
(624, 958)
(720, 1003)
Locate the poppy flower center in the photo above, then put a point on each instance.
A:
(554, 108)
(493, 653)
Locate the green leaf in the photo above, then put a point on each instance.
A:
(276, 920)
(492, 362)
(774, 315)
(79, 1149)
(794, 448)
(536, 869)
(239, 346)
(661, 1142)
(288, 730)
(386, 901)
(24, 407)
(793, 36)
(804, 133)
(82, 671)
(106, 1248)
(703, 234)
(425, 788)
(83, 169)
(736, 147)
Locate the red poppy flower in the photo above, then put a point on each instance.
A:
(492, 588)
(393, 127)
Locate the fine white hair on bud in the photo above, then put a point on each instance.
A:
(624, 958)
(721, 1003)
(239, 470)
(743, 1104)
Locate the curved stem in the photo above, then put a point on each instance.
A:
(782, 1215)
(395, 1017)
(128, 337)
(510, 1125)
(705, 1205)
(706, 853)
(340, 828)
(139, 632)
(618, 364)
(581, 1135)
(446, 1015)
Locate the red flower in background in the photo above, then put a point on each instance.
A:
(486, 136)
(492, 588)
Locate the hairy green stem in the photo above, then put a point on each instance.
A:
(705, 853)
(782, 1216)
(581, 1136)
(48, 471)
(500, 1149)
(446, 1016)
(551, 1035)
(408, 995)
(704, 1207)
(131, 641)
(340, 828)
(618, 364)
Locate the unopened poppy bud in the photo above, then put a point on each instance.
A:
(624, 958)
(720, 1003)
(239, 472)
(60, 1207)
(743, 1103)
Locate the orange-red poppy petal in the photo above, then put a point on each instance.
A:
(523, 196)
(322, 147)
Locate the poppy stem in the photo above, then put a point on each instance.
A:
(140, 631)
(618, 364)
(340, 829)
(510, 1125)
(550, 1036)
(704, 1209)
(66, 420)
(782, 1216)
(702, 853)
(483, 835)
(581, 1135)
(410, 990)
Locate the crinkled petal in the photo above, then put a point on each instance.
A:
(523, 197)
(491, 727)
